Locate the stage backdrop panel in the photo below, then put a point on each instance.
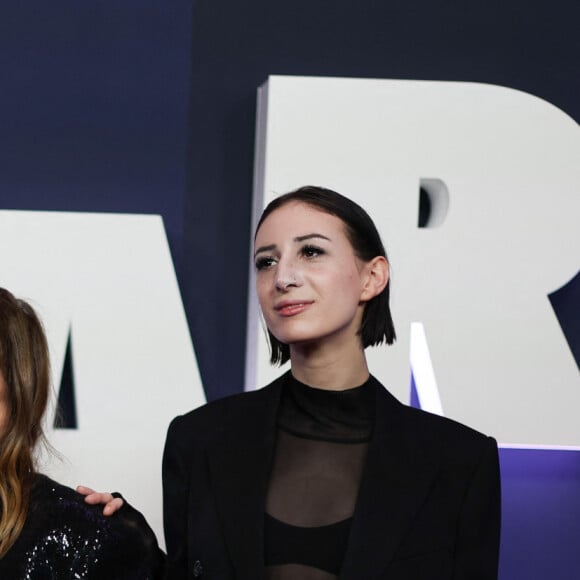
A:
(105, 287)
(500, 167)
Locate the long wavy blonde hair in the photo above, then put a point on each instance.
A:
(25, 368)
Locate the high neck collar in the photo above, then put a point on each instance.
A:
(345, 416)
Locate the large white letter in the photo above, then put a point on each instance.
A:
(478, 282)
(108, 279)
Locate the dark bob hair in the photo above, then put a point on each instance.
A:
(377, 323)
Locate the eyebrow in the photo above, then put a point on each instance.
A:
(297, 239)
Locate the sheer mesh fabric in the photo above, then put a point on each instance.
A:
(314, 483)
(321, 446)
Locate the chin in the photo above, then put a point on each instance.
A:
(296, 335)
(297, 339)
(293, 340)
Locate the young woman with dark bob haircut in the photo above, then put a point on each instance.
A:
(47, 530)
(322, 474)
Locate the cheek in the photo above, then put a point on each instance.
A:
(349, 291)
(346, 279)
(263, 293)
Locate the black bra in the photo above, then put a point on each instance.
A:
(320, 547)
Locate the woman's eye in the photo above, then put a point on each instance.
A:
(264, 262)
(312, 251)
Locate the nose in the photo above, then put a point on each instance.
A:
(287, 276)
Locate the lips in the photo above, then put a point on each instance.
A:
(291, 307)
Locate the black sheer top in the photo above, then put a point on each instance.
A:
(321, 446)
(65, 538)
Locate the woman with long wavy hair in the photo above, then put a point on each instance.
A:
(47, 530)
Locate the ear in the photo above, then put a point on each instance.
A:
(375, 276)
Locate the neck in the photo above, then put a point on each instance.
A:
(335, 370)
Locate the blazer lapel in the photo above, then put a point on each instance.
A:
(396, 479)
(239, 470)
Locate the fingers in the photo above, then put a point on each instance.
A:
(94, 497)
(111, 504)
(84, 490)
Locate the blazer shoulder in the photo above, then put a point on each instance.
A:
(433, 430)
(445, 426)
(215, 416)
(452, 439)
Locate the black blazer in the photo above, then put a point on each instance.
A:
(428, 505)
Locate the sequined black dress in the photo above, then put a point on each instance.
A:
(64, 538)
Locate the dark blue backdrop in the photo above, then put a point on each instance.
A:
(148, 106)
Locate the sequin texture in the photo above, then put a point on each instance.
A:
(66, 539)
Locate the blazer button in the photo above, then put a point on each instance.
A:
(197, 569)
